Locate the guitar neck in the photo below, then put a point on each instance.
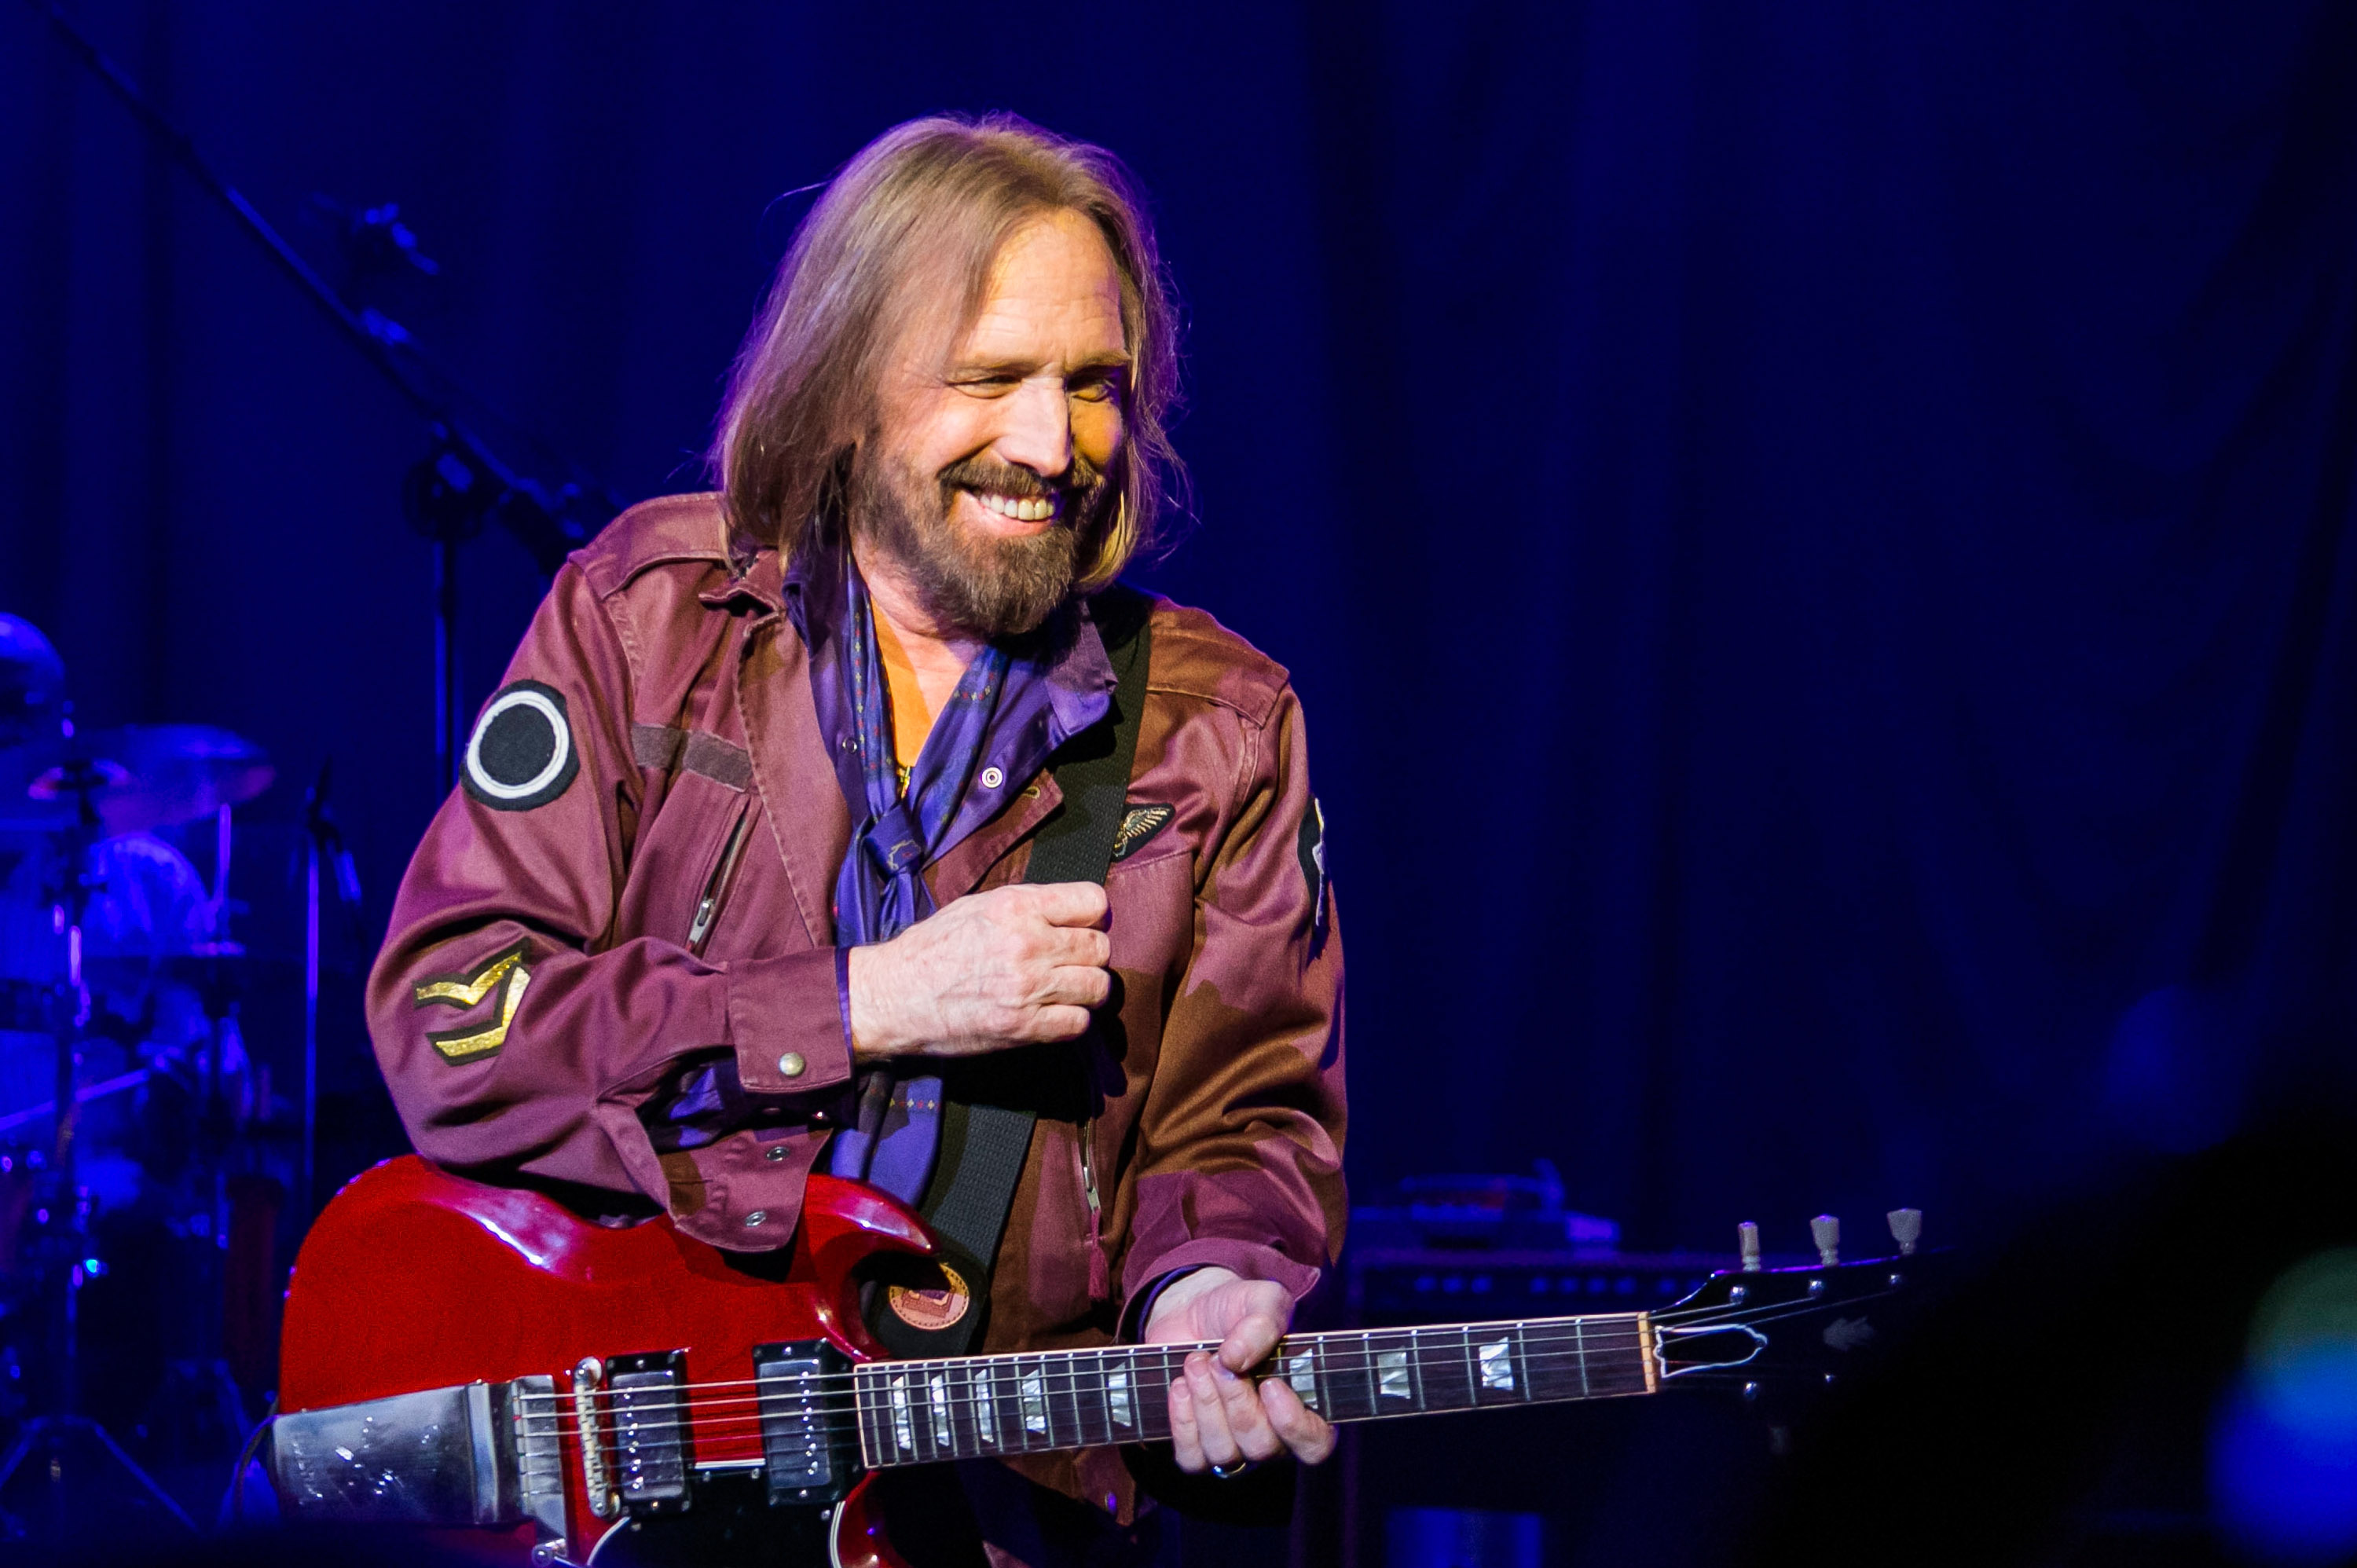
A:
(914, 1412)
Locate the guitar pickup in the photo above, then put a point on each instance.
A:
(807, 1430)
(647, 1398)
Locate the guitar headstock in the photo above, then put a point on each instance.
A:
(1764, 1331)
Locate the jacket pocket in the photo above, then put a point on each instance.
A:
(712, 894)
(1093, 1198)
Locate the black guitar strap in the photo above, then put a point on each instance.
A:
(990, 1104)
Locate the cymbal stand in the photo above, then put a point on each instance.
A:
(61, 1438)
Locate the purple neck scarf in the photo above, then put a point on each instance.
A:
(1014, 704)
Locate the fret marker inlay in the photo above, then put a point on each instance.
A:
(1301, 1371)
(1117, 1398)
(986, 1407)
(1497, 1367)
(1391, 1373)
(902, 1433)
(1035, 1403)
(939, 1386)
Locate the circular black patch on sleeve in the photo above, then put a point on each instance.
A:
(522, 754)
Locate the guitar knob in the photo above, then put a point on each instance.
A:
(1906, 1229)
(1747, 1244)
(1826, 1231)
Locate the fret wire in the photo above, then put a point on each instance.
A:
(1089, 1401)
(978, 1380)
(1064, 1411)
(871, 1450)
(961, 1430)
(1078, 1403)
(965, 1408)
(938, 1423)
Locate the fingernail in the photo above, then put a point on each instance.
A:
(1226, 1375)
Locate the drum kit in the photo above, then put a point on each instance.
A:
(125, 1086)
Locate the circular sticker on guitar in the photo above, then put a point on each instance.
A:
(931, 1310)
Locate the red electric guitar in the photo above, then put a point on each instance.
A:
(462, 1356)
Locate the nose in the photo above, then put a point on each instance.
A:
(1037, 433)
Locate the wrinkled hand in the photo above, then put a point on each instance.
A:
(1216, 1415)
(1014, 966)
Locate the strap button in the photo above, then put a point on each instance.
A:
(756, 1218)
(774, 1151)
(791, 1064)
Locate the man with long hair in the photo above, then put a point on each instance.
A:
(751, 823)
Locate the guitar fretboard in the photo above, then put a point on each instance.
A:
(968, 1407)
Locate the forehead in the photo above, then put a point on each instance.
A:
(1054, 292)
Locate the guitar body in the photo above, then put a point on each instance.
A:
(448, 1344)
(413, 1278)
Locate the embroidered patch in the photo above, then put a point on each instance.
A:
(506, 973)
(1313, 858)
(522, 754)
(1141, 824)
(932, 1310)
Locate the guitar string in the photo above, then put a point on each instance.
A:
(1065, 1363)
(709, 1417)
(962, 1394)
(1055, 1382)
(968, 1436)
(852, 1419)
(1728, 1317)
(852, 1423)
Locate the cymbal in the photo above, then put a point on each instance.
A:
(138, 776)
(32, 677)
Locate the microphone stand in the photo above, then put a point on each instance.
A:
(459, 484)
(323, 842)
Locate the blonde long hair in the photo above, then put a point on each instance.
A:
(914, 222)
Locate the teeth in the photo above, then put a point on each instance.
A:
(1023, 509)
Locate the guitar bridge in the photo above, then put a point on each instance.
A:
(648, 1401)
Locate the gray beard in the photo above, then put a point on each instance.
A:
(983, 586)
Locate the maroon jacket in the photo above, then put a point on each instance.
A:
(539, 985)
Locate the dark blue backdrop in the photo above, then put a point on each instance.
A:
(1816, 540)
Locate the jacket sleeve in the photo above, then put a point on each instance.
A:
(1240, 1142)
(520, 1041)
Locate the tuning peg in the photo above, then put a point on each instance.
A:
(1746, 1242)
(1906, 1229)
(1826, 1231)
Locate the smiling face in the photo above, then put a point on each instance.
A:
(990, 462)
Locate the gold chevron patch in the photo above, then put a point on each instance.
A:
(469, 990)
(507, 974)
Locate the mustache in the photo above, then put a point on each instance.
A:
(1079, 482)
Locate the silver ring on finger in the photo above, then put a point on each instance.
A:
(1242, 1465)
